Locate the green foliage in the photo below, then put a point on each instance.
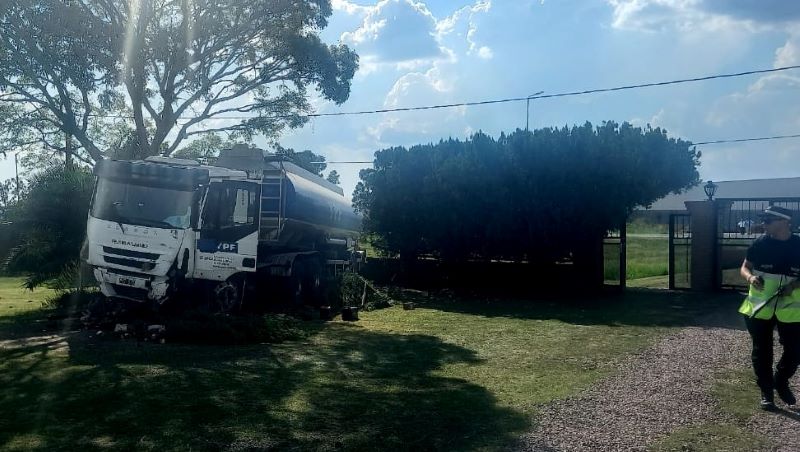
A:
(333, 177)
(8, 192)
(159, 69)
(206, 148)
(75, 276)
(541, 196)
(51, 224)
(304, 159)
(357, 291)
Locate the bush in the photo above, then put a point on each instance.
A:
(50, 222)
(75, 276)
(357, 291)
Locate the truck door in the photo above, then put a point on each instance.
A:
(228, 240)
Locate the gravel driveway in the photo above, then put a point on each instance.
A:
(662, 389)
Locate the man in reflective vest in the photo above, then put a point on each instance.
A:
(772, 269)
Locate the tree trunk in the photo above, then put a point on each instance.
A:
(68, 151)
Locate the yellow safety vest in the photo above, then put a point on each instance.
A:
(786, 309)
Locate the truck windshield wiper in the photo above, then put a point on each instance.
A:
(117, 217)
(152, 223)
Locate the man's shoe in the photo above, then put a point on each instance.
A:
(785, 393)
(767, 401)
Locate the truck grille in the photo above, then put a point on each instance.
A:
(130, 253)
(143, 266)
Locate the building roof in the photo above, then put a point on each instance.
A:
(787, 187)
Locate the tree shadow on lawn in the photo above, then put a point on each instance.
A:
(635, 307)
(343, 388)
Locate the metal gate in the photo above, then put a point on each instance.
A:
(680, 247)
(738, 225)
(614, 258)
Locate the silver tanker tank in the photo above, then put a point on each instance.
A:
(299, 210)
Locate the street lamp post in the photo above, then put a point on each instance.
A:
(710, 188)
(528, 108)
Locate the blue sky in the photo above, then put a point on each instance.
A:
(422, 53)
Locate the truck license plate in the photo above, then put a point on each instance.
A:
(125, 281)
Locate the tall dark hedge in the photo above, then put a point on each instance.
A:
(541, 196)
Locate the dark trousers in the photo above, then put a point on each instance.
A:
(761, 331)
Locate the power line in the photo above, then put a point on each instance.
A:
(498, 101)
(699, 143)
(742, 140)
(565, 94)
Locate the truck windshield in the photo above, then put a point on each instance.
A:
(142, 205)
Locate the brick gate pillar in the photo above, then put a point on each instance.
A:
(703, 269)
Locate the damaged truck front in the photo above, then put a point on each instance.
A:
(143, 217)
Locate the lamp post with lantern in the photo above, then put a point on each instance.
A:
(710, 188)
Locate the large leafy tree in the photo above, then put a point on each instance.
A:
(161, 70)
(539, 196)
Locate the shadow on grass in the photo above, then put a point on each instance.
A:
(345, 388)
(638, 307)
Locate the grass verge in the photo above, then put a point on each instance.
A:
(737, 396)
(453, 374)
(712, 438)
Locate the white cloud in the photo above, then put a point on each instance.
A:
(434, 86)
(764, 95)
(789, 53)
(466, 17)
(651, 14)
(349, 7)
(404, 33)
(691, 15)
(396, 30)
(418, 85)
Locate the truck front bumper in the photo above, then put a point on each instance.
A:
(133, 287)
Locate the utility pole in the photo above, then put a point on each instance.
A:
(528, 107)
(16, 172)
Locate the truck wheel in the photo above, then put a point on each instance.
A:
(295, 287)
(228, 295)
(313, 283)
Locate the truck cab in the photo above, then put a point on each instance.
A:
(155, 222)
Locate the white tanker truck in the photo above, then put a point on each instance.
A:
(254, 223)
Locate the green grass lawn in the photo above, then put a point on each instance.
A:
(646, 257)
(14, 299)
(453, 374)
